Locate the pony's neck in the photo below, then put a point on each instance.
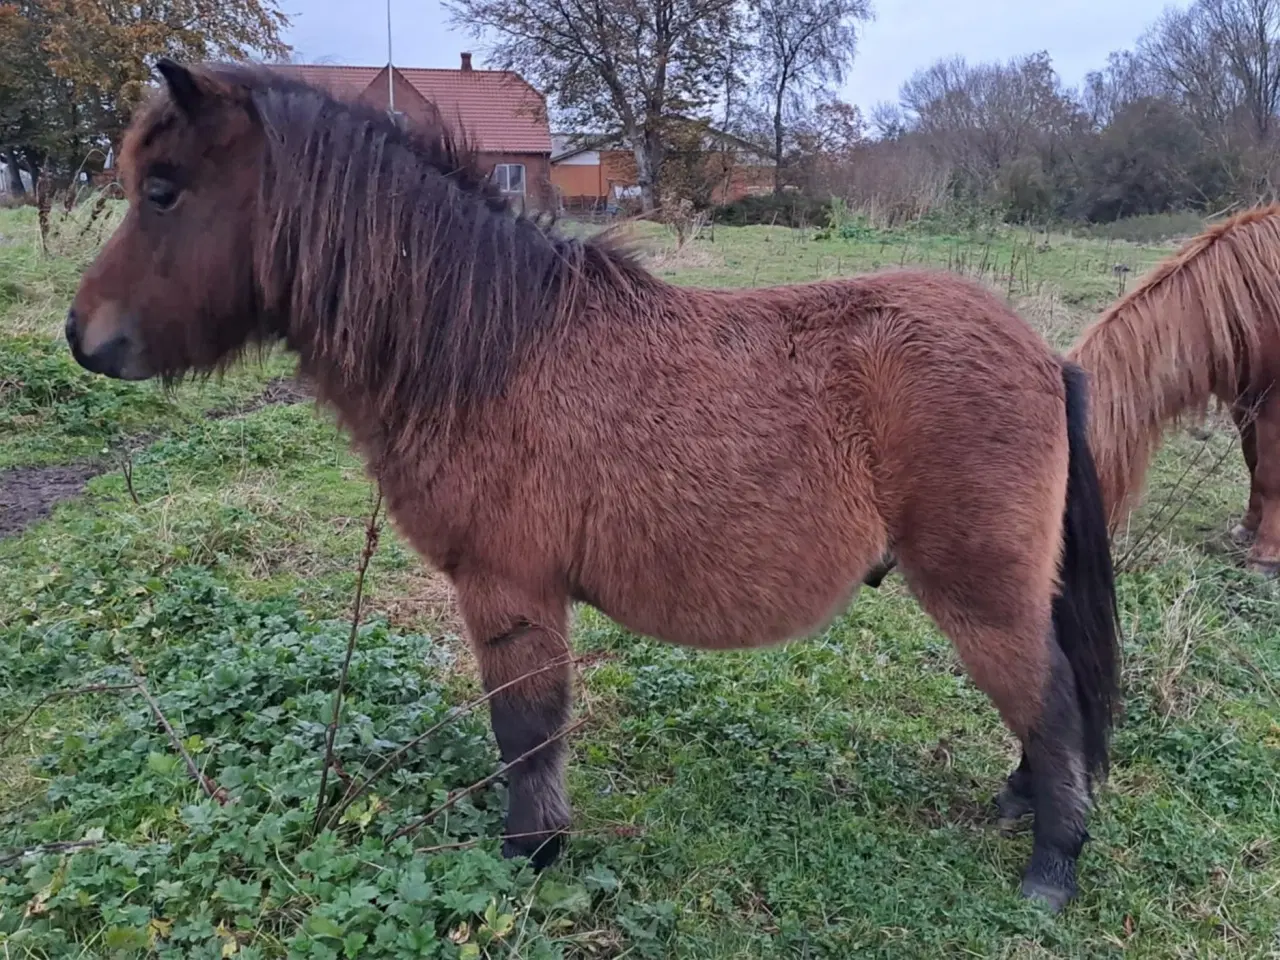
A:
(411, 301)
(1152, 362)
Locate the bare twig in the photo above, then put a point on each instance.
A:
(351, 796)
(61, 694)
(1139, 543)
(126, 468)
(1150, 531)
(479, 784)
(207, 784)
(65, 846)
(615, 830)
(370, 547)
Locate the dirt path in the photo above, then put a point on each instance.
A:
(28, 494)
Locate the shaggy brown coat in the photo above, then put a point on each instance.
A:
(551, 423)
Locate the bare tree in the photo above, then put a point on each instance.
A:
(888, 121)
(1188, 62)
(1219, 60)
(618, 67)
(802, 44)
(1247, 35)
(985, 116)
(1127, 78)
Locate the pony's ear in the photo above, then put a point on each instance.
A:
(183, 87)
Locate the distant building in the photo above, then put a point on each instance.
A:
(501, 115)
(597, 171)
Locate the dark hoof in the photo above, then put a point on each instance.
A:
(542, 851)
(1012, 805)
(1242, 535)
(1268, 568)
(1050, 878)
(1052, 896)
(1012, 810)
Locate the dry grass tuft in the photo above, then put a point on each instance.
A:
(421, 599)
(689, 257)
(1058, 322)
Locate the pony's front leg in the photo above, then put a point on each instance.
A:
(523, 654)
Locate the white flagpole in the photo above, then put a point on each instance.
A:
(391, 87)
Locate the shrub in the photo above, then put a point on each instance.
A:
(785, 210)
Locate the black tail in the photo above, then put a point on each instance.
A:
(1085, 616)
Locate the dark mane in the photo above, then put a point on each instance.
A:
(395, 259)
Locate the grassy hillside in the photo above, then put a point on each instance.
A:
(828, 798)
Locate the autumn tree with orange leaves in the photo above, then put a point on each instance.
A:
(71, 71)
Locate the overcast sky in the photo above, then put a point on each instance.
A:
(906, 35)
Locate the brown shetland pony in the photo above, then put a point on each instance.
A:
(551, 424)
(1205, 323)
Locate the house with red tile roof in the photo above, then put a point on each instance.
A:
(502, 116)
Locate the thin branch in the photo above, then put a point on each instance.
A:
(370, 547)
(480, 784)
(207, 784)
(616, 830)
(126, 468)
(1151, 532)
(210, 788)
(351, 797)
(66, 846)
(60, 694)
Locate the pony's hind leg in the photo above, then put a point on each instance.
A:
(523, 654)
(1264, 496)
(1020, 667)
(1055, 753)
(1016, 798)
(1025, 590)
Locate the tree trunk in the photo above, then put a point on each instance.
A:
(644, 176)
(34, 162)
(778, 131)
(13, 174)
(647, 146)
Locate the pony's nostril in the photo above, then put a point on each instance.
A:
(70, 329)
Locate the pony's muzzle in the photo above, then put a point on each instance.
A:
(114, 356)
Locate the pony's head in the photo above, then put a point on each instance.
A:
(263, 209)
(174, 288)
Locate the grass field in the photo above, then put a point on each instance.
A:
(828, 798)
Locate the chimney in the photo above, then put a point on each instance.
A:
(466, 63)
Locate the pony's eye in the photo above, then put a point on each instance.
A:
(160, 193)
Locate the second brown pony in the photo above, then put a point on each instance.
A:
(551, 424)
(1203, 324)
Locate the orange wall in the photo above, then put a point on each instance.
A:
(619, 167)
(578, 180)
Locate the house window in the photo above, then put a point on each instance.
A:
(510, 177)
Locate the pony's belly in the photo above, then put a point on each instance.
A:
(729, 608)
